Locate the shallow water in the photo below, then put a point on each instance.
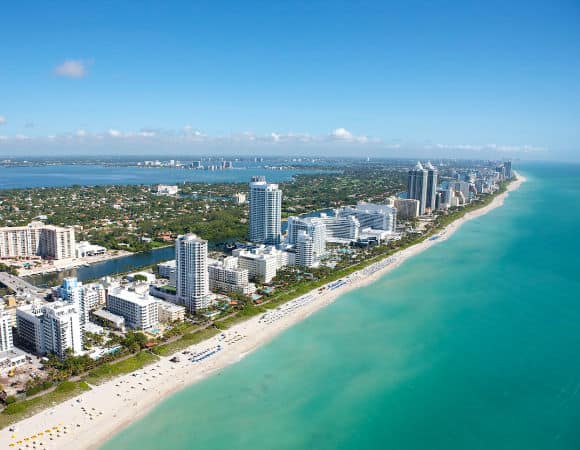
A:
(473, 344)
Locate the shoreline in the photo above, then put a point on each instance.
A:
(62, 265)
(95, 416)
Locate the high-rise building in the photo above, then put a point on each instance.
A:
(313, 227)
(265, 211)
(61, 329)
(407, 208)
(417, 186)
(508, 169)
(6, 339)
(37, 239)
(87, 297)
(51, 328)
(305, 250)
(140, 311)
(432, 175)
(191, 272)
(29, 328)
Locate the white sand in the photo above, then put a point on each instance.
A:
(97, 415)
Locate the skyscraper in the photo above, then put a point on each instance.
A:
(304, 250)
(417, 186)
(508, 169)
(191, 272)
(432, 175)
(265, 211)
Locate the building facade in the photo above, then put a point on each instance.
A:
(417, 186)
(432, 175)
(262, 262)
(407, 208)
(341, 229)
(226, 276)
(192, 280)
(265, 212)
(371, 215)
(61, 329)
(37, 240)
(313, 227)
(305, 255)
(6, 338)
(140, 311)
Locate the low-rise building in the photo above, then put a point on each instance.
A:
(85, 248)
(170, 312)
(109, 319)
(164, 189)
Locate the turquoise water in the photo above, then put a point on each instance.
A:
(474, 344)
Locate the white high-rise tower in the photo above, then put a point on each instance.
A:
(417, 186)
(265, 211)
(192, 280)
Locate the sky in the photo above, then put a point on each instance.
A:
(371, 78)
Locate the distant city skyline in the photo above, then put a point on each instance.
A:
(460, 80)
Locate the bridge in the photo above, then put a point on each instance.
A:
(19, 285)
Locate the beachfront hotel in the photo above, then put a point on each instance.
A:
(140, 311)
(313, 227)
(305, 255)
(371, 215)
(226, 276)
(265, 211)
(37, 240)
(61, 329)
(262, 262)
(51, 328)
(192, 281)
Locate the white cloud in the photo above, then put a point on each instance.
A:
(2, 120)
(487, 147)
(342, 134)
(190, 135)
(72, 68)
(114, 133)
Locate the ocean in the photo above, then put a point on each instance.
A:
(473, 344)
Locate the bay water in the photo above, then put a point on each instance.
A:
(473, 344)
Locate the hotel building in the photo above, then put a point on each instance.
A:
(265, 212)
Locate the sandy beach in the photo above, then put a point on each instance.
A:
(89, 420)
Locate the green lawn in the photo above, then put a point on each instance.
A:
(26, 408)
(185, 341)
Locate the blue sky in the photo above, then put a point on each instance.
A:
(412, 78)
